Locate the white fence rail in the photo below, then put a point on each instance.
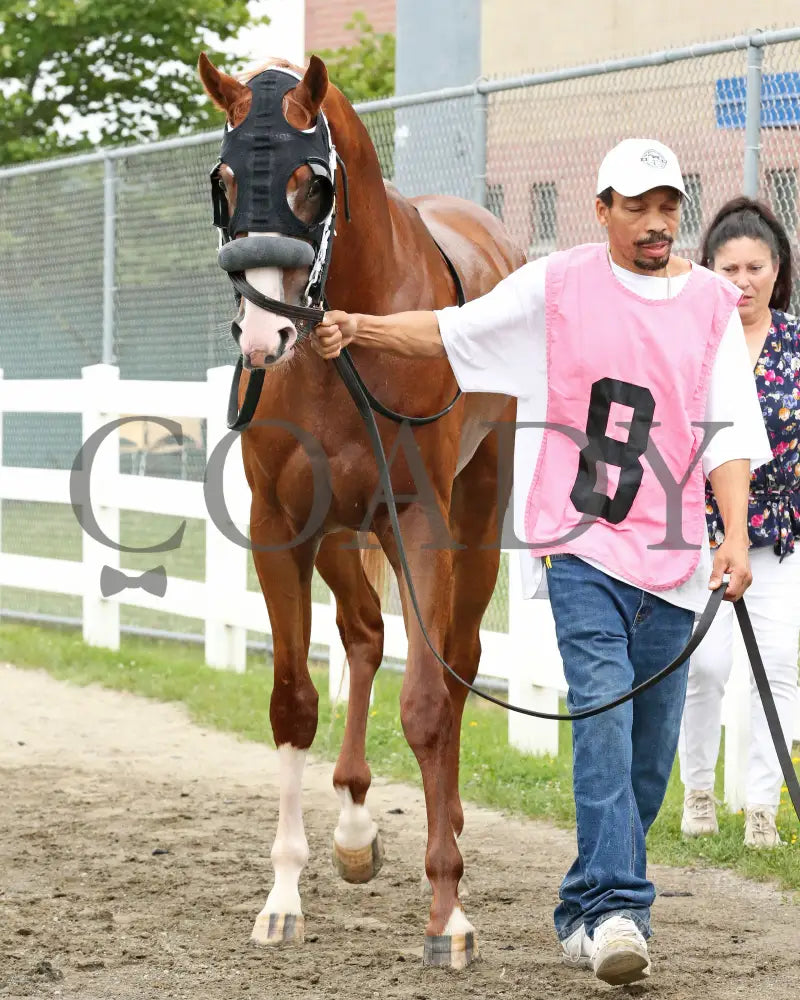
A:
(526, 657)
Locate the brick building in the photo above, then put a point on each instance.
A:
(519, 36)
(325, 20)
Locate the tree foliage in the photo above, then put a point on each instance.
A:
(363, 70)
(128, 64)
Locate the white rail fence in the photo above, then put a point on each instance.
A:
(525, 658)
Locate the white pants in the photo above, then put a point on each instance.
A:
(773, 601)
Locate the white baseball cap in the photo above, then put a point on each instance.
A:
(634, 166)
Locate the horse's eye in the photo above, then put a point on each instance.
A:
(314, 188)
(221, 184)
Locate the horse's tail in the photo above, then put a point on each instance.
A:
(373, 562)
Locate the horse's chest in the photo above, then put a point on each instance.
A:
(336, 487)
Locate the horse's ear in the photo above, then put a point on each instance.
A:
(223, 90)
(311, 90)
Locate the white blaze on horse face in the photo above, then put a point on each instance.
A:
(356, 828)
(290, 850)
(261, 339)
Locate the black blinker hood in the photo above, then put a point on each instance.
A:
(263, 152)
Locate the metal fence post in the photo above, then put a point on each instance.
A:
(752, 127)
(479, 143)
(109, 255)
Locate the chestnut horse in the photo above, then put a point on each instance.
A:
(384, 260)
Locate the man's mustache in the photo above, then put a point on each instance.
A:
(653, 238)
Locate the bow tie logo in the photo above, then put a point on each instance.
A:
(112, 581)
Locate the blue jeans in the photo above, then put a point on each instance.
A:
(613, 636)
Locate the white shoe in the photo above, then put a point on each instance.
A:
(619, 954)
(759, 827)
(576, 950)
(699, 814)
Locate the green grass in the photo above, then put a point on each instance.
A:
(492, 773)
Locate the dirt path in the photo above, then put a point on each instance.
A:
(92, 782)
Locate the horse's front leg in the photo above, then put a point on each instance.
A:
(426, 712)
(285, 579)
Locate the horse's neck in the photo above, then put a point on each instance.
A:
(364, 262)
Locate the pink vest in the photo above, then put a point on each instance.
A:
(625, 374)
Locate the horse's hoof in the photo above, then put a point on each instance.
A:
(279, 928)
(450, 951)
(359, 865)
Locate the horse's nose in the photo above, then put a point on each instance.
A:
(263, 359)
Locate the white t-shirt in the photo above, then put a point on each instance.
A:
(497, 343)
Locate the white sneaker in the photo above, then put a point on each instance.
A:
(576, 950)
(699, 814)
(759, 827)
(619, 955)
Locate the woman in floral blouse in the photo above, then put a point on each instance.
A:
(746, 243)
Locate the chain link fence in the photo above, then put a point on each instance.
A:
(112, 256)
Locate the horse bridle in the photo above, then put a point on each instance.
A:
(306, 317)
(292, 250)
(310, 316)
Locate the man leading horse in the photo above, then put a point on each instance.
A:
(634, 384)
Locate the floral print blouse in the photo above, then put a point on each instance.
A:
(774, 515)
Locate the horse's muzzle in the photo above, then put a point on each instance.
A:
(264, 359)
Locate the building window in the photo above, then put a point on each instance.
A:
(782, 194)
(692, 211)
(496, 200)
(544, 225)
